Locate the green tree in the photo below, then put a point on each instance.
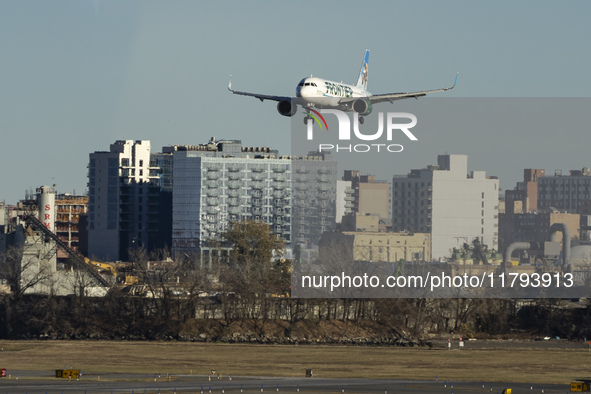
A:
(253, 241)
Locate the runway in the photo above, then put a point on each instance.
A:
(34, 382)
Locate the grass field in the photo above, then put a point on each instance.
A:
(517, 364)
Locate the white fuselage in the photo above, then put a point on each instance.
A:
(322, 93)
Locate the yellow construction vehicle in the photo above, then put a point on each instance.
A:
(128, 280)
(580, 385)
(102, 266)
(121, 278)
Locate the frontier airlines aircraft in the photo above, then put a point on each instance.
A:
(321, 93)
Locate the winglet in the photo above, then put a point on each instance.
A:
(230, 85)
(455, 82)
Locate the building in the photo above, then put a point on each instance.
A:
(535, 226)
(223, 181)
(345, 199)
(524, 198)
(69, 208)
(124, 201)
(570, 193)
(35, 271)
(540, 201)
(367, 222)
(314, 197)
(585, 227)
(378, 247)
(357, 222)
(34, 245)
(443, 201)
(371, 197)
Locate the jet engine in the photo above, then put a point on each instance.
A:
(362, 106)
(287, 108)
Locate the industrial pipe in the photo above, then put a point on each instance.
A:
(556, 227)
(516, 246)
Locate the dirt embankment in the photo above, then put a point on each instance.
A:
(257, 332)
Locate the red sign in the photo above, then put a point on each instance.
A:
(3, 374)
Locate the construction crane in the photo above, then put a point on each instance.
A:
(78, 260)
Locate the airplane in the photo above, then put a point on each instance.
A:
(321, 93)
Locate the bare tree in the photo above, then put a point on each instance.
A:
(23, 273)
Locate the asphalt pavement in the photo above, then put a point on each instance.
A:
(43, 382)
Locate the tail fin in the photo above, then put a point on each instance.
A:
(362, 80)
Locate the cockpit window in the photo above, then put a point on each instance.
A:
(303, 83)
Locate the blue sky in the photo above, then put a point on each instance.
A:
(77, 75)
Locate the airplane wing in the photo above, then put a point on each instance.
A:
(380, 98)
(261, 97)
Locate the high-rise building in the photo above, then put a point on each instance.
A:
(123, 201)
(345, 199)
(453, 207)
(314, 197)
(185, 196)
(222, 181)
